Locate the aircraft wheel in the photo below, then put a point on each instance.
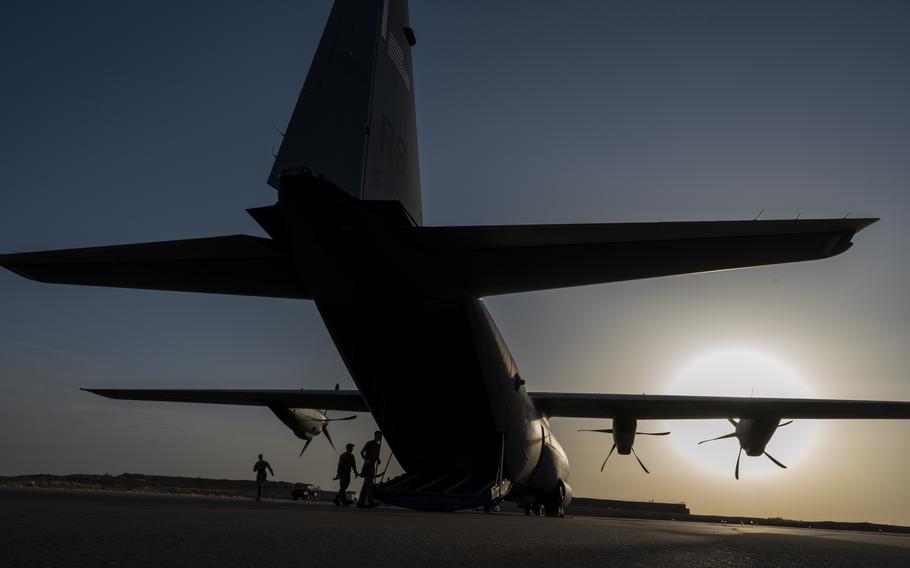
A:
(554, 506)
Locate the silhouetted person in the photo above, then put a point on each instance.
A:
(347, 464)
(370, 455)
(260, 467)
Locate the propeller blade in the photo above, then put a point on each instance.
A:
(785, 423)
(777, 463)
(345, 418)
(325, 430)
(607, 431)
(653, 433)
(736, 471)
(639, 461)
(733, 422)
(608, 457)
(730, 435)
(305, 446)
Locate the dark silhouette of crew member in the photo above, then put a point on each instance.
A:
(370, 455)
(347, 464)
(260, 468)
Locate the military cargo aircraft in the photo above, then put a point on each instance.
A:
(403, 301)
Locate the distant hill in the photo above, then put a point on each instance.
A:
(140, 483)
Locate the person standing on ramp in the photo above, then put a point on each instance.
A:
(370, 455)
(347, 464)
(260, 468)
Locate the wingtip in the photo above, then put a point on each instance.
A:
(8, 261)
(864, 222)
(98, 392)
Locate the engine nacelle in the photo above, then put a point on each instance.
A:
(755, 433)
(623, 431)
(305, 423)
(624, 434)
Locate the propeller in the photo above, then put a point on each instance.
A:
(608, 457)
(325, 430)
(730, 435)
(740, 454)
(639, 460)
(610, 431)
(325, 427)
(777, 463)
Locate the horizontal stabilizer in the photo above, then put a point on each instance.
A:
(671, 407)
(490, 260)
(235, 264)
(322, 399)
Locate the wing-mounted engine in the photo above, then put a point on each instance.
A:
(306, 423)
(624, 430)
(753, 435)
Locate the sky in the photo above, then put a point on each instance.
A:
(144, 121)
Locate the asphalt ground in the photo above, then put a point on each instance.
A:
(40, 527)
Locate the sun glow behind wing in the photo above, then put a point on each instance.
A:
(740, 372)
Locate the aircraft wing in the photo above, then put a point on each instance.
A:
(235, 264)
(349, 400)
(573, 405)
(491, 260)
(671, 407)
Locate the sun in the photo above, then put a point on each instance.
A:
(739, 372)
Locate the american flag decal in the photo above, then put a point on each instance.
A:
(399, 59)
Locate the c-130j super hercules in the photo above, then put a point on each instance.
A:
(402, 301)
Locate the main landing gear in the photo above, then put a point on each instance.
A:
(536, 508)
(552, 507)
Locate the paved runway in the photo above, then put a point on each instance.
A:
(58, 528)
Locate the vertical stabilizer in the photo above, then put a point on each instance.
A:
(354, 122)
(392, 168)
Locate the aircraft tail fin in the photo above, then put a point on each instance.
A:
(354, 123)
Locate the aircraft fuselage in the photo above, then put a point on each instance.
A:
(427, 357)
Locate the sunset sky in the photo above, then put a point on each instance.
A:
(144, 121)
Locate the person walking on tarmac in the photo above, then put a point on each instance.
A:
(260, 467)
(347, 464)
(370, 455)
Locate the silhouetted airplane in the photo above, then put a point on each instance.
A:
(402, 301)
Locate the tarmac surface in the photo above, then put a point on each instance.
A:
(40, 527)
